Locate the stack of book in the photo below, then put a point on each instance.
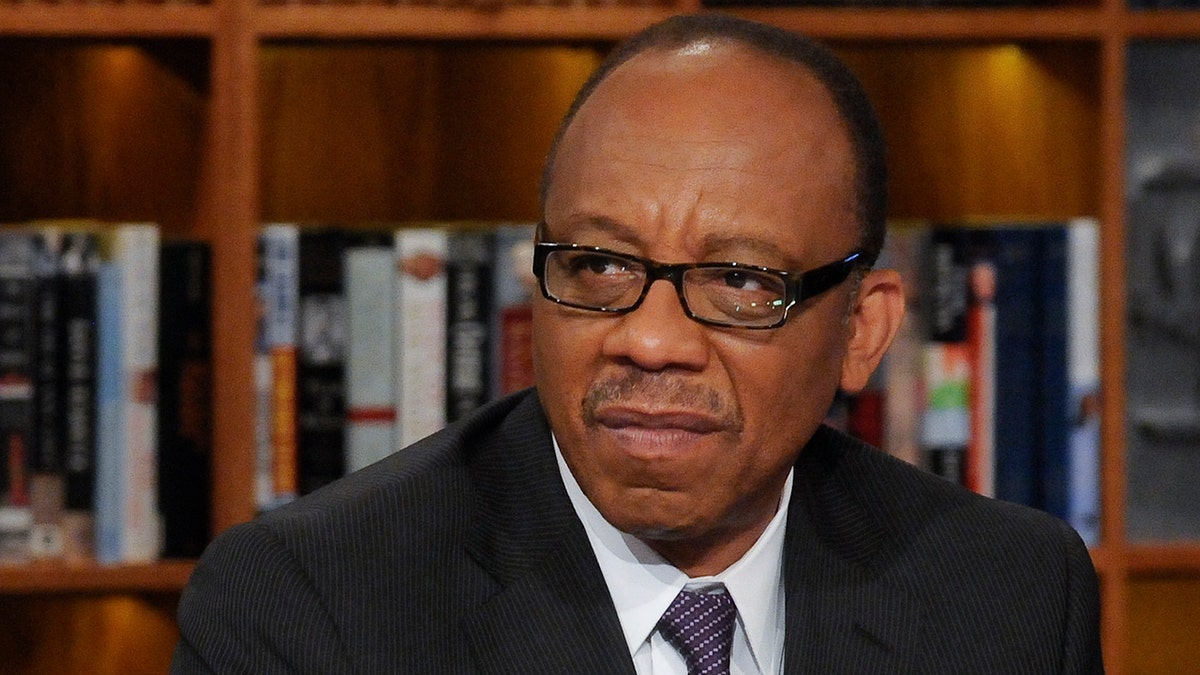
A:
(993, 380)
(373, 337)
(104, 405)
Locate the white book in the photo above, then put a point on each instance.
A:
(276, 459)
(420, 332)
(128, 525)
(370, 404)
(1083, 377)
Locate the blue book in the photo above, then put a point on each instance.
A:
(1052, 395)
(111, 472)
(1015, 252)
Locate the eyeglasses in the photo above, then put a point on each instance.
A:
(714, 293)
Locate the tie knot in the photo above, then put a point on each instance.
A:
(700, 626)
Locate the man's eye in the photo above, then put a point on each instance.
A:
(597, 264)
(743, 281)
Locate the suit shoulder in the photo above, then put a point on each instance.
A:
(422, 491)
(913, 503)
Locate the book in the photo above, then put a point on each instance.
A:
(321, 349)
(1083, 378)
(79, 262)
(1015, 253)
(18, 349)
(945, 425)
(277, 480)
(370, 408)
(1053, 420)
(980, 458)
(468, 307)
(420, 332)
(185, 397)
(128, 527)
(47, 485)
(513, 289)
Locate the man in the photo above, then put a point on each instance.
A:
(712, 205)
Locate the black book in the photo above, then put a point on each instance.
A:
(468, 338)
(185, 397)
(321, 351)
(17, 362)
(46, 473)
(79, 260)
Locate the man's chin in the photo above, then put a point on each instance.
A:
(658, 529)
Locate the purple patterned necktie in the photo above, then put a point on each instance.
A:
(700, 626)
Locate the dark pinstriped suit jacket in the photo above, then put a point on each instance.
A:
(462, 554)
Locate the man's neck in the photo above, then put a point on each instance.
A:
(712, 554)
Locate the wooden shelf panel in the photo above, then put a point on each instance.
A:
(1020, 24)
(1164, 559)
(612, 23)
(433, 23)
(1163, 24)
(167, 576)
(588, 23)
(84, 21)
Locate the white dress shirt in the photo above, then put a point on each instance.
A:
(643, 584)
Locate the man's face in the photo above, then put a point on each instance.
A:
(683, 434)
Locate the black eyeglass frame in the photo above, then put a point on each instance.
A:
(798, 287)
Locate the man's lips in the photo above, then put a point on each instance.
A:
(637, 419)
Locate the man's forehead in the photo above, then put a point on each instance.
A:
(709, 77)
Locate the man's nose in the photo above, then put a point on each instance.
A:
(658, 334)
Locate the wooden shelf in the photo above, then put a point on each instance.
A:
(430, 23)
(579, 24)
(167, 576)
(125, 21)
(1163, 24)
(612, 23)
(1164, 559)
(1023, 24)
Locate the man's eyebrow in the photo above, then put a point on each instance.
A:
(727, 247)
(720, 243)
(590, 222)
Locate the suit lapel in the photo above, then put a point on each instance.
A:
(552, 612)
(844, 613)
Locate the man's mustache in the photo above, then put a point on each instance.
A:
(659, 391)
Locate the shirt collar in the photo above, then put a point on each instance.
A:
(643, 584)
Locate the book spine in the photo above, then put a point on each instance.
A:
(185, 398)
(981, 337)
(420, 332)
(78, 326)
(137, 252)
(512, 315)
(945, 428)
(320, 371)
(370, 403)
(1016, 358)
(280, 247)
(46, 479)
(1083, 377)
(17, 363)
(112, 471)
(264, 490)
(468, 307)
(1053, 426)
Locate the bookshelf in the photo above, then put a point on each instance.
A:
(211, 117)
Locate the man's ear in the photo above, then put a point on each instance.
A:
(874, 321)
